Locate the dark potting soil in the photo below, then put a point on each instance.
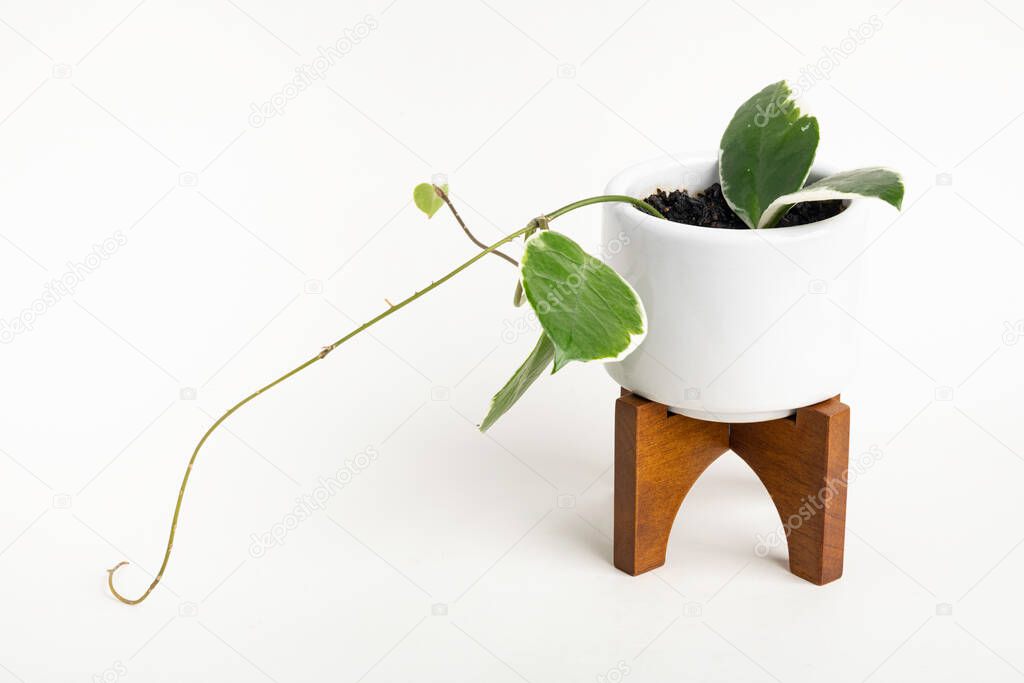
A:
(709, 209)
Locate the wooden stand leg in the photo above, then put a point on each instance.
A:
(802, 462)
(658, 457)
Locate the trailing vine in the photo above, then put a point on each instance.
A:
(441, 195)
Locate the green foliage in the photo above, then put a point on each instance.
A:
(427, 199)
(535, 364)
(584, 306)
(588, 312)
(766, 151)
(765, 156)
(875, 181)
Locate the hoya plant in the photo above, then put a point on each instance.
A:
(587, 312)
(766, 154)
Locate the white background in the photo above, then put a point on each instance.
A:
(456, 556)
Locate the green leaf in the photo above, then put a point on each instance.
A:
(588, 311)
(766, 152)
(875, 181)
(526, 375)
(427, 199)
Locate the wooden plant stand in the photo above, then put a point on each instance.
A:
(801, 460)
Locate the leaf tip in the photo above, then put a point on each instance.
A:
(900, 188)
(560, 361)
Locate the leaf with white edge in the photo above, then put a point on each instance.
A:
(524, 377)
(584, 306)
(426, 198)
(878, 182)
(766, 152)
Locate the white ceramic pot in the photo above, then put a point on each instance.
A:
(743, 325)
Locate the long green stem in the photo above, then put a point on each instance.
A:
(625, 199)
(323, 354)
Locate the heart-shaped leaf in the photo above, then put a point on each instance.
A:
(584, 306)
(766, 152)
(427, 199)
(526, 375)
(875, 181)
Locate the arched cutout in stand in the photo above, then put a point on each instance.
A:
(801, 461)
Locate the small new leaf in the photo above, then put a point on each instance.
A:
(585, 307)
(881, 183)
(526, 375)
(766, 152)
(518, 297)
(426, 198)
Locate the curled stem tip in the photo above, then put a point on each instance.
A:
(127, 601)
(117, 566)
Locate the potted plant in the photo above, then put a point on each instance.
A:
(740, 327)
(701, 306)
